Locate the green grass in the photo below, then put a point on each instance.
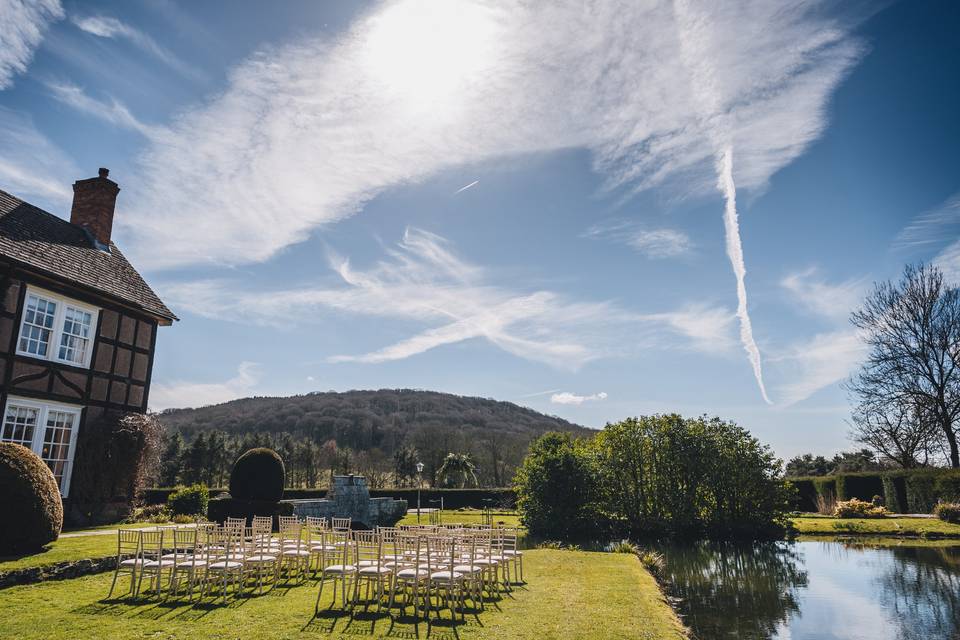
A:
(895, 526)
(568, 594)
(464, 516)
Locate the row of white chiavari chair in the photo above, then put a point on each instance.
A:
(429, 567)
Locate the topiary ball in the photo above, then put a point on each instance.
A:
(258, 475)
(29, 501)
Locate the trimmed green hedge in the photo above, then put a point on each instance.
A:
(452, 498)
(914, 491)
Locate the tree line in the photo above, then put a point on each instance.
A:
(379, 434)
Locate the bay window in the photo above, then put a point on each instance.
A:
(56, 328)
(49, 429)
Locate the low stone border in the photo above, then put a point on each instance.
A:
(57, 571)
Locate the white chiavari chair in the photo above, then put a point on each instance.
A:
(444, 582)
(226, 568)
(261, 560)
(189, 561)
(129, 558)
(372, 573)
(410, 571)
(343, 569)
(154, 566)
(294, 550)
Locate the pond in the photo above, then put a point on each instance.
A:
(817, 590)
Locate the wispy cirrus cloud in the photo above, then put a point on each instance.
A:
(31, 165)
(938, 230)
(834, 300)
(423, 280)
(654, 243)
(23, 24)
(186, 393)
(111, 110)
(565, 397)
(114, 29)
(819, 362)
(703, 99)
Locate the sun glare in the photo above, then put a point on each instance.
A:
(427, 54)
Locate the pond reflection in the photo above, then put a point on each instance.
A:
(817, 590)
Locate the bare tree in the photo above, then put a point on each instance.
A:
(913, 331)
(904, 434)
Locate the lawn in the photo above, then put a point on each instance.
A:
(895, 526)
(83, 547)
(75, 547)
(568, 594)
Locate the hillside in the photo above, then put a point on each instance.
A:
(370, 427)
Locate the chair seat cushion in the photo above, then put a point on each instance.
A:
(374, 571)
(189, 563)
(445, 576)
(467, 568)
(413, 573)
(132, 562)
(323, 547)
(340, 568)
(367, 563)
(513, 553)
(261, 559)
(225, 565)
(295, 553)
(151, 564)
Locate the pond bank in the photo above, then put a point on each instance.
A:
(923, 527)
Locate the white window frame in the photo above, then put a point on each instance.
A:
(56, 339)
(40, 429)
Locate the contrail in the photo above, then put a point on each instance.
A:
(694, 32)
(472, 184)
(731, 227)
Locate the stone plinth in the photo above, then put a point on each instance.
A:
(349, 497)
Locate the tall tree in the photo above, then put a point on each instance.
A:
(457, 466)
(913, 331)
(901, 433)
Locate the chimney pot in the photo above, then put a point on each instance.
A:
(94, 200)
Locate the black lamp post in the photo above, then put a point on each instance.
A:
(419, 487)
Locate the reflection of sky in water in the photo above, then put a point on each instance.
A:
(816, 590)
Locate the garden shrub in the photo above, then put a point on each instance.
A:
(854, 508)
(921, 492)
(862, 486)
(948, 512)
(114, 455)
(30, 504)
(189, 501)
(805, 494)
(149, 513)
(557, 489)
(895, 492)
(258, 475)
(665, 475)
(948, 486)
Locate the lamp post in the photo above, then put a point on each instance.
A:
(419, 487)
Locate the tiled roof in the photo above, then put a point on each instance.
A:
(39, 239)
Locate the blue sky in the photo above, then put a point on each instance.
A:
(552, 205)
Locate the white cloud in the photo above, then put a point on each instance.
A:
(112, 28)
(835, 301)
(182, 393)
(571, 398)
(113, 112)
(932, 227)
(306, 133)
(938, 228)
(22, 26)
(653, 243)
(31, 166)
(825, 359)
(424, 281)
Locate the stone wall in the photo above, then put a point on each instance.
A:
(349, 497)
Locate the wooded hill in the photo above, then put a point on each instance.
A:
(369, 430)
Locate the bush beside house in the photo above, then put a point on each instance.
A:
(30, 501)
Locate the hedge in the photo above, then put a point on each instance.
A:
(903, 491)
(452, 498)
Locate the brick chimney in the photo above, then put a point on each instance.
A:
(93, 202)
